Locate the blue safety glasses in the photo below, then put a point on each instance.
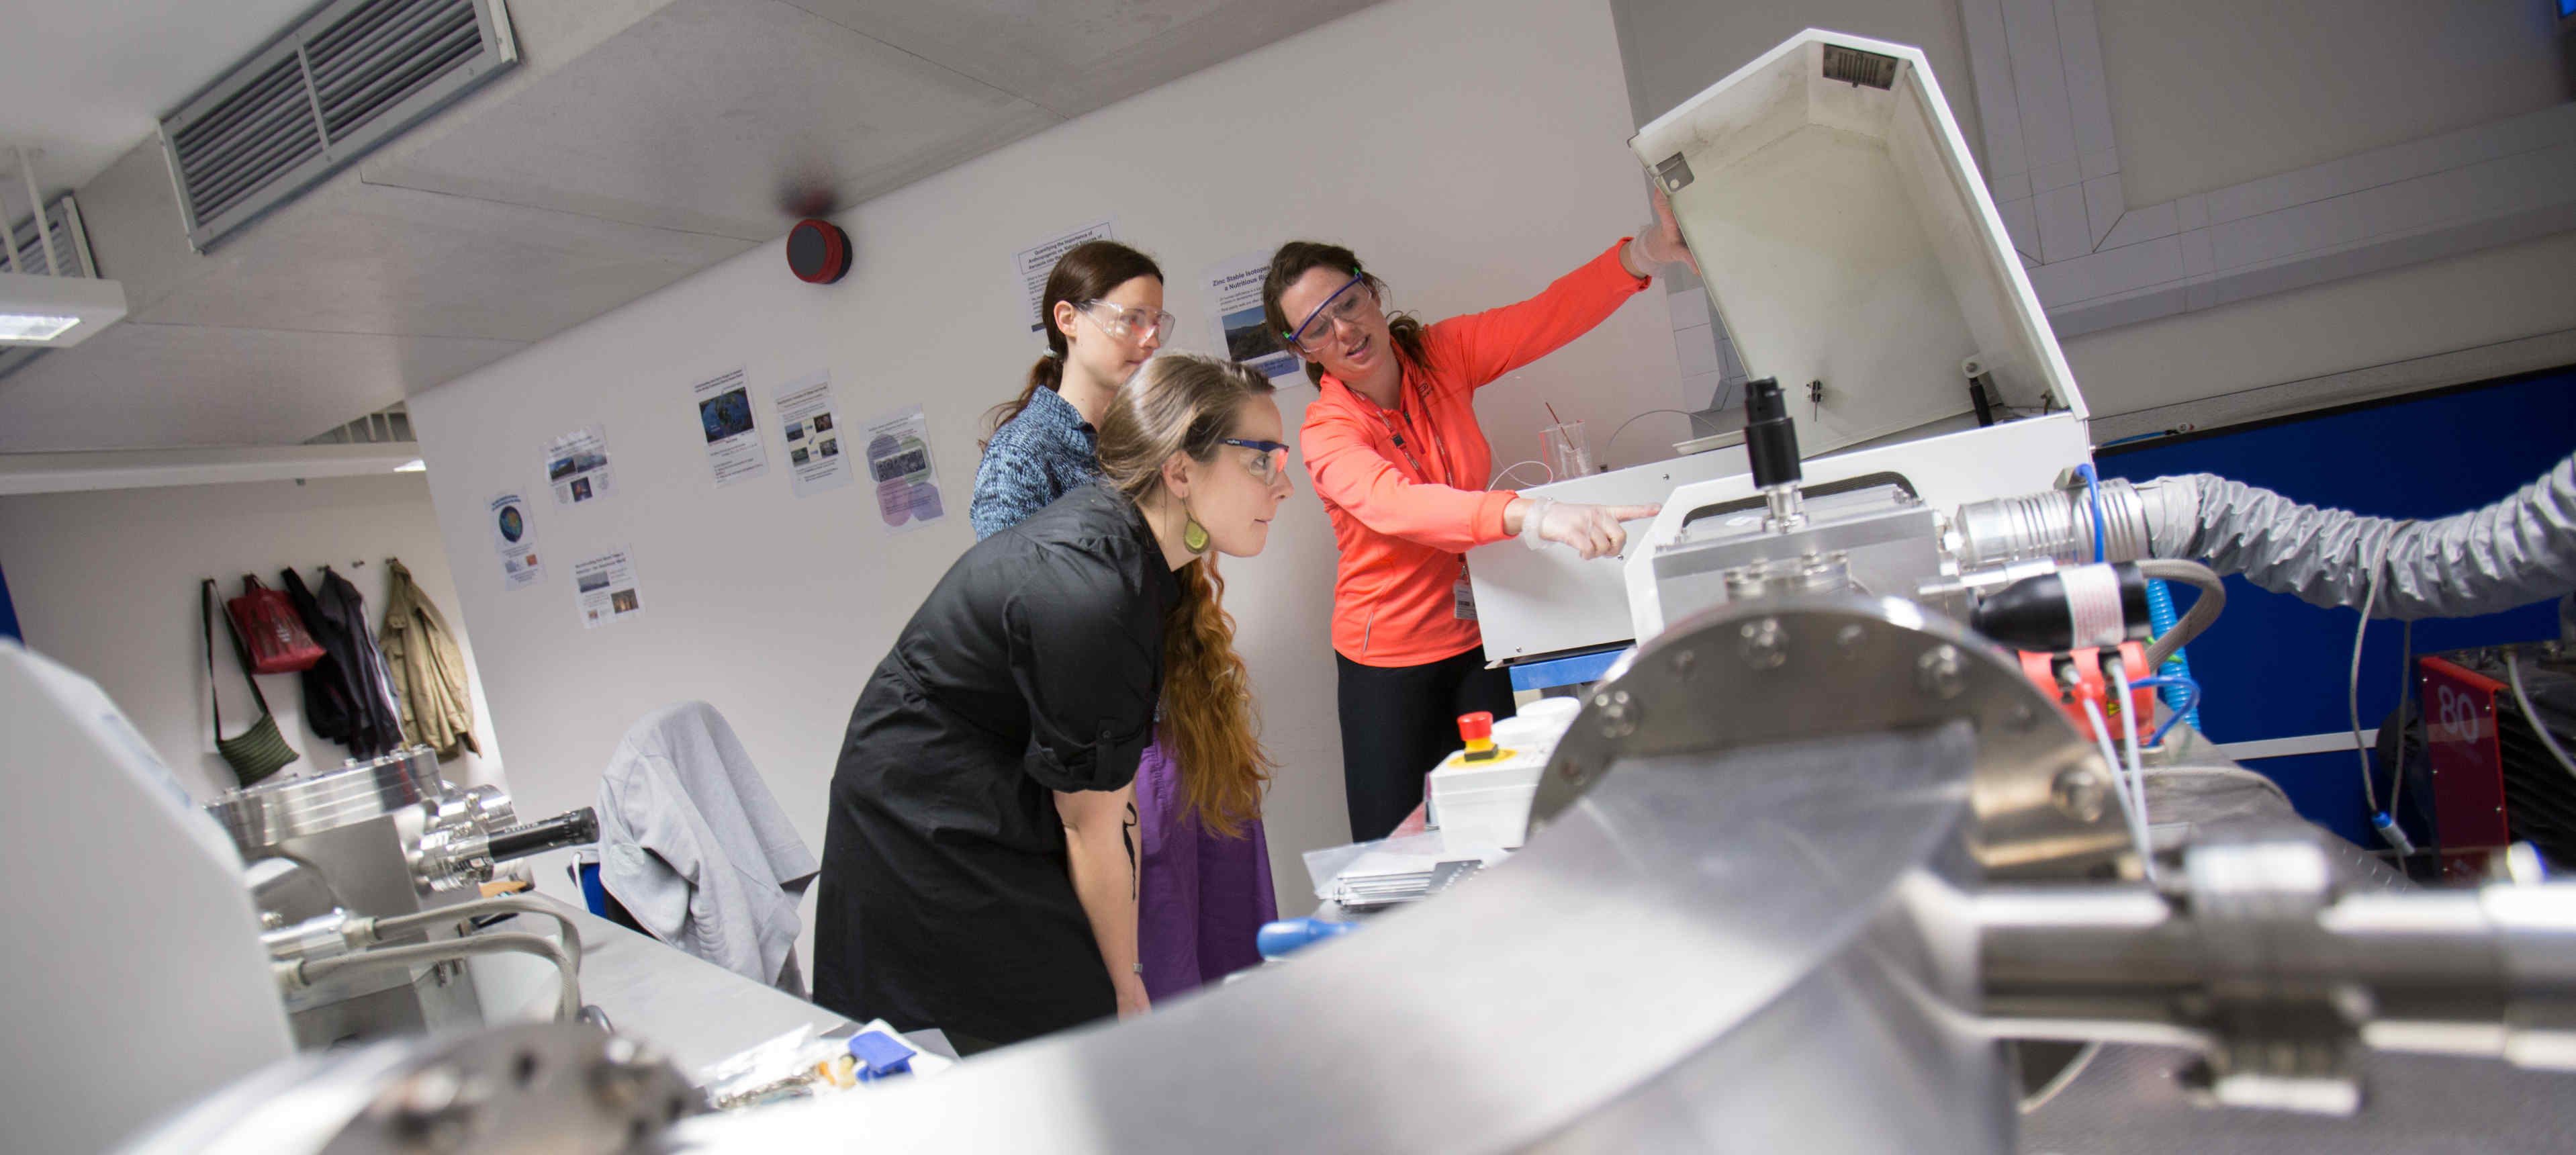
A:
(1346, 306)
(1268, 467)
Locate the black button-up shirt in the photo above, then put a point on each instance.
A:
(1033, 667)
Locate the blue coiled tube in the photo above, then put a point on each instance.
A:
(2160, 614)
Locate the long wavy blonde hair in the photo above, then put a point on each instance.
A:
(1184, 403)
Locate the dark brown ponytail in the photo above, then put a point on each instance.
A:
(1088, 272)
(1291, 262)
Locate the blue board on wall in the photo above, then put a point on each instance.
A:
(2276, 667)
(8, 613)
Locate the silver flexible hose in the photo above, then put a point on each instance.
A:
(568, 1006)
(2514, 552)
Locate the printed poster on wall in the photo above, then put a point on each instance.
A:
(733, 442)
(1030, 266)
(1242, 331)
(514, 538)
(734, 450)
(605, 590)
(898, 450)
(577, 465)
(814, 459)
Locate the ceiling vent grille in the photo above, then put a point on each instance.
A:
(324, 93)
(389, 425)
(71, 243)
(71, 259)
(1853, 66)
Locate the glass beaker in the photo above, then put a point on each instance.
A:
(1563, 447)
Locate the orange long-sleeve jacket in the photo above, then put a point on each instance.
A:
(1404, 513)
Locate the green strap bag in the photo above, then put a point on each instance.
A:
(259, 751)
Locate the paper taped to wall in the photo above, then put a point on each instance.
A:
(605, 589)
(899, 460)
(814, 459)
(514, 536)
(577, 465)
(1234, 287)
(734, 448)
(1030, 266)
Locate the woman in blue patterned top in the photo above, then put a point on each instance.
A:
(1104, 312)
(1203, 894)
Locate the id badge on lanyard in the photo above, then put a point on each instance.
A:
(1462, 596)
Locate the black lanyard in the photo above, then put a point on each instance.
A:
(1439, 452)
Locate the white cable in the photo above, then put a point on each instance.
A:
(2405, 688)
(1506, 471)
(2352, 686)
(2539, 725)
(2111, 762)
(2129, 728)
(1623, 427)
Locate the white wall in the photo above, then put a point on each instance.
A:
(1469, 150)
(2210, 92)
(106, 582)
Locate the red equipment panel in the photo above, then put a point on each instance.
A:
(2052, 674)
(2468, 768)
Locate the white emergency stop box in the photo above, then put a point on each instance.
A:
(1853, 253)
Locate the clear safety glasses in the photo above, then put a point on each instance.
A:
(1128, 324)
(1270, 466)
(1346, 306)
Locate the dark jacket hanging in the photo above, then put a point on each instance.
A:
(375, 722)
(326, 685)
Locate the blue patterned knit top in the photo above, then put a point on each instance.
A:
(1033, 459)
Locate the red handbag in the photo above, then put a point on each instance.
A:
(267, 623)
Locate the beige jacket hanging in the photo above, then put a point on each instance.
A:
(428, 670)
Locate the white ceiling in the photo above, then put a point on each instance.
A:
(637, 142)
(84, 80)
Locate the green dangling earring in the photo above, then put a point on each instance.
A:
(1194, 536)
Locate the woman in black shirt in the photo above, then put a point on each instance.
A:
(979, 860)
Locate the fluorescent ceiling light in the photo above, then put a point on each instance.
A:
(57, 312)
(415, 465)
(33, 326)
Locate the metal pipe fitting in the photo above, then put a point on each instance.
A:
(319, 937)
(1788, 507)
(2056, 524)
(2281, 978)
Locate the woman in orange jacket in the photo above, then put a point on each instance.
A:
(1396, 454)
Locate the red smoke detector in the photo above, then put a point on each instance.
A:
(818, 251)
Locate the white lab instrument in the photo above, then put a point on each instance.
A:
(1856, 256)
(135, 978)
(1488, 803)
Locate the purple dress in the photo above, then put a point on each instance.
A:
(1204, 895)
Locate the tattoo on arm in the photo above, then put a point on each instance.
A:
(1127, 833)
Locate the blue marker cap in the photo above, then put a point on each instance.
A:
(879, 1055)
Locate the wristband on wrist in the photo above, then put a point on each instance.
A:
(1644, 260)
(1529, 522)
